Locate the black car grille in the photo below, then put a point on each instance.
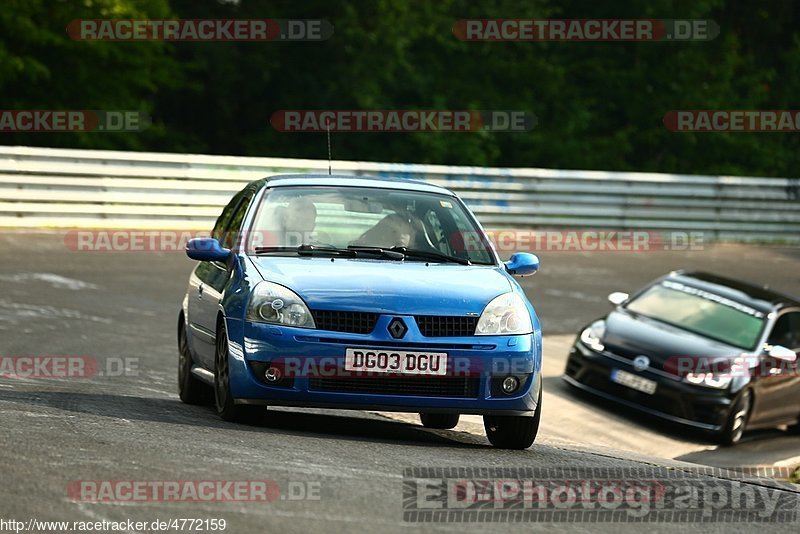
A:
(364, 323)
(422, 386)
(345, 321)
(446, 326)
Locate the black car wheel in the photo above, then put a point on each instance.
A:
(736, 422)
(223, 400)
(190, 389)
(513, 432)
(443, 421)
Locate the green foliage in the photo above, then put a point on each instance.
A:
(42, 68)
(599, 105)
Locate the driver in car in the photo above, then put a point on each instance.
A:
(394, 230)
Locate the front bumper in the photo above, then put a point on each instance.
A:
(476, 364)
(673, 400)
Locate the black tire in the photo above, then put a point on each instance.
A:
(513, 432)
(223, 399)
(736, 422)
(442, 421)
(190, 389)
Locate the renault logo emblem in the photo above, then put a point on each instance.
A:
(397, 328)
(641, 362)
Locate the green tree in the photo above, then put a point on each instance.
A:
(599, 105)
(41, 67)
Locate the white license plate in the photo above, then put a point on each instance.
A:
(633, 381)
(395, 361)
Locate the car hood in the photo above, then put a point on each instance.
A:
(386, 286)
(666, 346)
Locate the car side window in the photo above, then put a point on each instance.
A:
(786, 331)
(232, 228)
(224, 217)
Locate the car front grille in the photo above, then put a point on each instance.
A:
(345, 321)
(422, 386)
(446, 325)
(364, 323)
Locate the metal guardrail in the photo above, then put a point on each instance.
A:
(64, 188)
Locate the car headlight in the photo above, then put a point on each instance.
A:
(272, 303)
(505, 314)
(592, 336)
(708, 379)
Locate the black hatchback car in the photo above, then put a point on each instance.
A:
(698, 349)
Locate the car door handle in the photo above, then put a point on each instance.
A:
(200, 291)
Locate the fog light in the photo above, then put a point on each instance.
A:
(273, 374)
(510, 384)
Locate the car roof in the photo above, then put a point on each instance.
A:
(761, 297)
(350, 180)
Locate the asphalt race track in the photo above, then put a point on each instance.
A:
(121, 309)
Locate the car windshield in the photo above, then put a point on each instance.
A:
(423, 226)
(701, 312)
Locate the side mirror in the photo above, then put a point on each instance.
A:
(617, 297)
(780, 352)
(522, 264)
(206, 249)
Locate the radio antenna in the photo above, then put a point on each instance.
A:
(328, 127)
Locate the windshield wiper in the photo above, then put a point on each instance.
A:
(352, 251)
(429, 255)
(386, 253)
(307, 250)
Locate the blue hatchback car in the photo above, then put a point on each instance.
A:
(360, 293)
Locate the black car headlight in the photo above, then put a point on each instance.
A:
(275, 304)
(711, 380)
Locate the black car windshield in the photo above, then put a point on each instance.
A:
(701, 312)
(423, 226)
